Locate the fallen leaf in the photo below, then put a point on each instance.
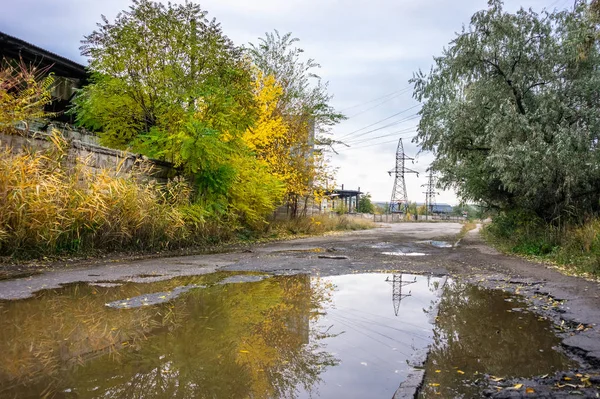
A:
(434, 384)
(567, 378)
(518, 386)
(243, 351)
(496, 379)
(572, 385)
(438, 371)
(586, 381)
(529, 390)
(460, 371)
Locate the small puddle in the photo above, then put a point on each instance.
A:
(401, 253)
(437, 244)
(239, 335)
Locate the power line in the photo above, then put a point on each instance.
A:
(379, 121)
(412, 129)
(430, 193)
(405, 119)
(376, 106)
(377, 99)
(353, 140)
(369, 145)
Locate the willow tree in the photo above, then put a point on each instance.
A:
(510, 110)
(304, 106)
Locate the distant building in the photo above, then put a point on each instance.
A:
(68, 75)
(348, 199)
(441, 209)
(444, 209)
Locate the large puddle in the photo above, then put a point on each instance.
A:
(225, 336)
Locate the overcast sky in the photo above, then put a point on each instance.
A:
(368, 50)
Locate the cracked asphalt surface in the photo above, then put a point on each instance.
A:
(383, 248)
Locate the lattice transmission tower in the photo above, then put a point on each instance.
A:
(430, 193)
(399, 201)
(397, 295)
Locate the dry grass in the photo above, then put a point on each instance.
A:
(468, 226)
(320, 224)
(47, 207)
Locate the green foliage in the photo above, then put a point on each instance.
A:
(510, 111)
(365, 205)
(576, 248)
(143, 96)
(169, 84)
(524, 232)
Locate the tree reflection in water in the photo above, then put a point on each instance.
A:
(477, 332)
(233, 340)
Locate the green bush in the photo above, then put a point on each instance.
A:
(576, 246)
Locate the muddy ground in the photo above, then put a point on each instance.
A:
(572, 303)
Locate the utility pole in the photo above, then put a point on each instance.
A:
(399, 201)
(397, 294)
(429, 194)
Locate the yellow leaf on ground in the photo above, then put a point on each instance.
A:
(243, 351)
(460, 371)
(434, 384)
(518, 386)
(529, 390)
(438, 371)
(496, 379)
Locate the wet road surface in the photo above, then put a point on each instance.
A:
(390, 312)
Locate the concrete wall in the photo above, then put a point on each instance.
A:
(84, 147)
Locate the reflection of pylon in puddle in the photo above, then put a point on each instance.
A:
(397, 294)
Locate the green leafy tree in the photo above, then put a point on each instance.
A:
(156, 68)
(167, 82)
(511, 112)
(365, 205)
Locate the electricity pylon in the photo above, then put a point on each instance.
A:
(397, 294)
(429, 194)
(399, 201)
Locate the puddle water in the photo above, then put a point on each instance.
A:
(440, 244)
(400, 253)
(478, 331)
(436, 243)
(232, 335)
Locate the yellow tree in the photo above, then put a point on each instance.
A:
(304, 106)
(281, 142)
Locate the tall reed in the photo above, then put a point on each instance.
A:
(49, 206)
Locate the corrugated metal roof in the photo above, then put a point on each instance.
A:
(13, 47)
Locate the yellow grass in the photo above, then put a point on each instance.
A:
(48, 207)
